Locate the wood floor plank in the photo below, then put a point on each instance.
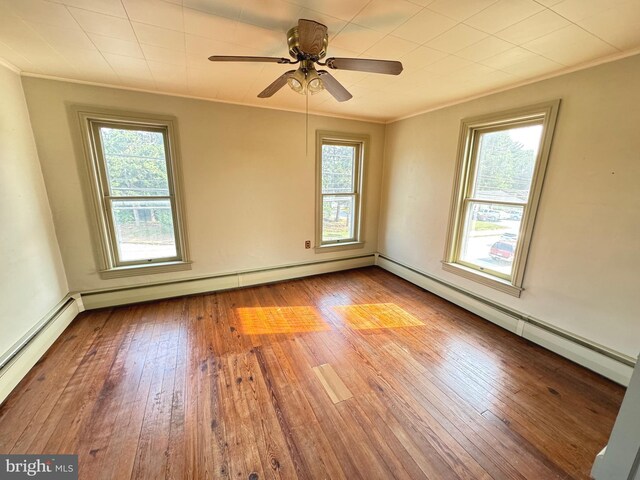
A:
(222, 386)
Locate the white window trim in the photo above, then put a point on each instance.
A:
(548, 113)
(108, 267)
(362, 141)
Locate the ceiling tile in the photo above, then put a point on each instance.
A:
(22, 39)
(200, 49)
(116, 46)
(549, 3)
(43, 12)
(128, 66)
(108, 7)
(491, 81)
(456, 39)
(424, 26)
(570, 46)
(93, 22)
(485, 48)
(472, 72)
(613, 25)
(63, 37)
(168, 75)
(447, 65)
(160, 37)
(503, 14)
(344, 10)
(420, 58)
(160, 14)
(91, 66)
(507, 58)
(533, 66)
(575, 10)
(390, 48)
(223, 8)
(262, 41)
(207, 25)
(460, 9)
(273, 14)
(356, 38)
(533, 27)
(377, 82)
(164, 55)
(200, 83)
(142, 83)
(522, 63)
(386, 15)
(14, 58)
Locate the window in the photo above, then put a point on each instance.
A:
(134, 180)
(501, 166)
(339, 203)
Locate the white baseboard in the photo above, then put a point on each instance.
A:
(145, 293)
(612, 365)
(34, 347)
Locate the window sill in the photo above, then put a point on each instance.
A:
(336, 247)
(485, 279)
(145, 269)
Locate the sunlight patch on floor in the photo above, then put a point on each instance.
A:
(271, 320)
(376, 315)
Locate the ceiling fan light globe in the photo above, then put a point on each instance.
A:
(315, 85)
(296, 85)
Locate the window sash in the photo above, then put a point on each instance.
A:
(487, 270)
(354, 217)
(466, 173)
(108, 206)
(355, 192)
(354, 170)
(107, 199)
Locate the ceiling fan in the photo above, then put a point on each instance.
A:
(307, 46)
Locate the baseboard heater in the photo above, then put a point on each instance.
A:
(16, 363)
(21, 344)
(611, 364)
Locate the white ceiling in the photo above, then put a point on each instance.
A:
(450, 49)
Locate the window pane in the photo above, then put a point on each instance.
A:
(135, 162)
(338, 163)
(505, 163)
(489, 236)
(144, 229)
(337, 218)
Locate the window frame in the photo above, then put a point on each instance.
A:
(361, 143)
(110, 264)
(545, 114)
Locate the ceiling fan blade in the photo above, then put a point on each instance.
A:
(278, 83)
(231, 58)
(311, 36)
(334, 87)
(389, 67)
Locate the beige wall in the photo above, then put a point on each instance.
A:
(32, 279)
(248, 180)
(584, 263)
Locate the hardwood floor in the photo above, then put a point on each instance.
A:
(224, 386)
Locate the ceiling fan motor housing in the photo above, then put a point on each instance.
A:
(293, 40)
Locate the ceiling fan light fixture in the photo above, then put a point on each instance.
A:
(306, 80)
(314, 83)
(297, 82)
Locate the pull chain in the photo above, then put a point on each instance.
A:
(306, 131)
